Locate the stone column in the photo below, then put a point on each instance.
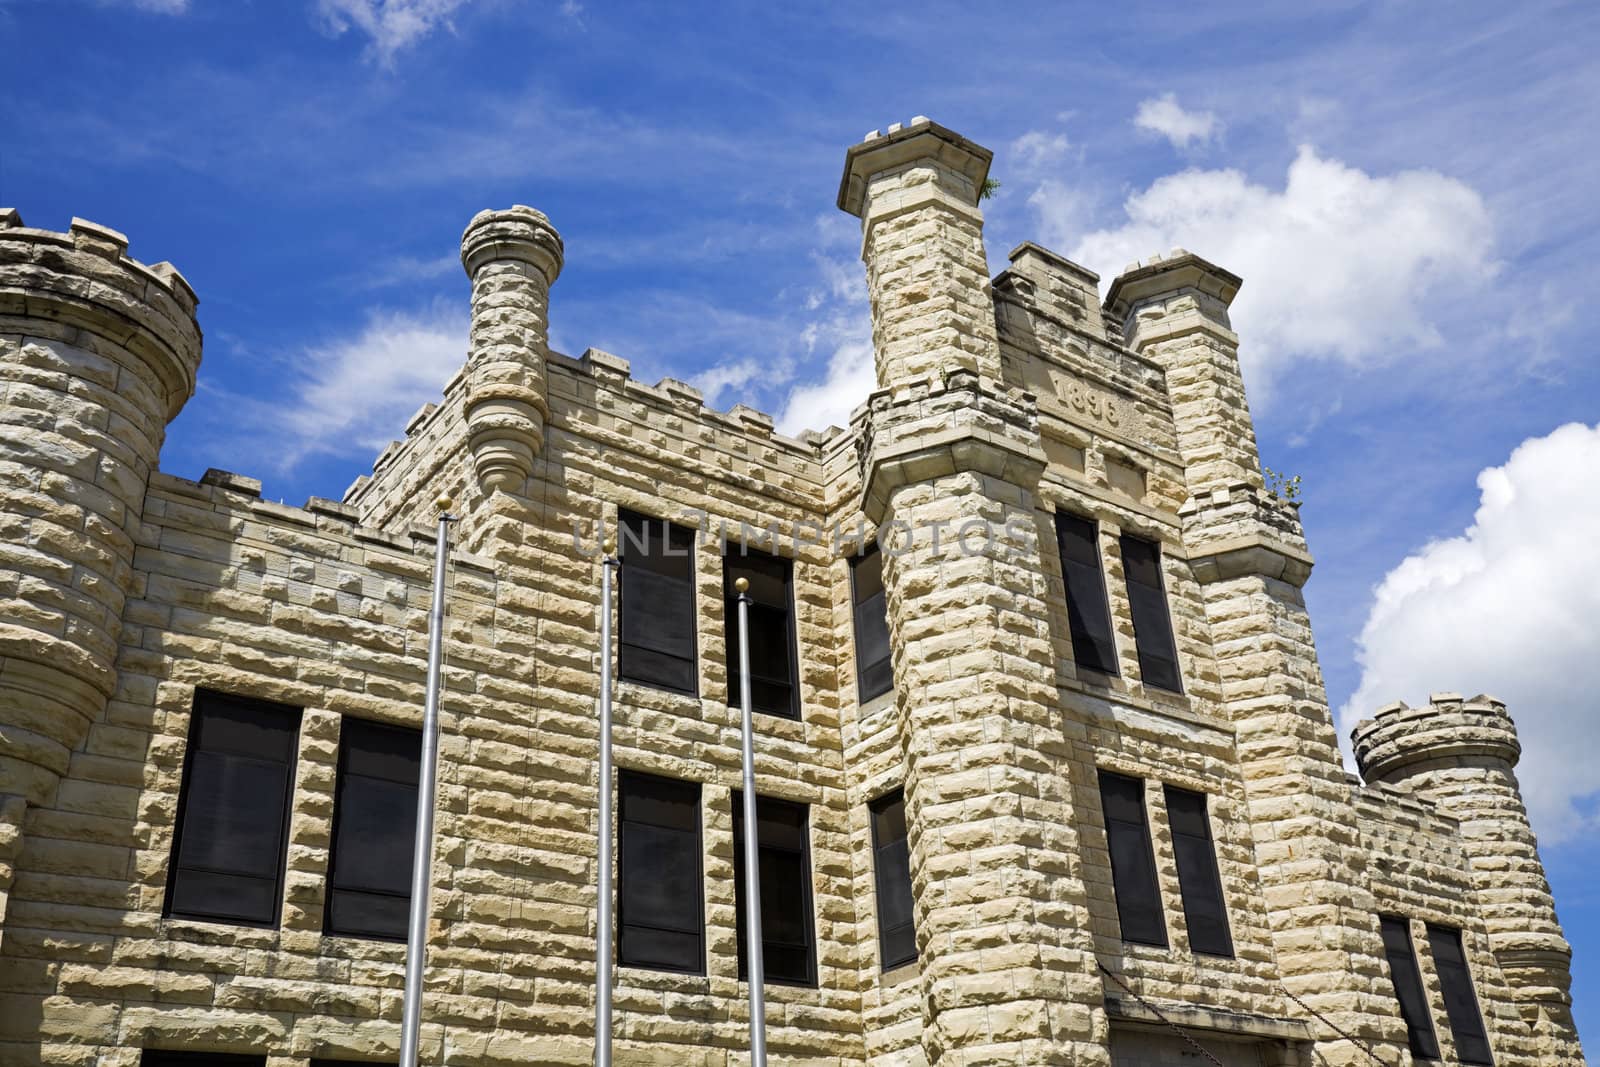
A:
(97, 354)
(1249, 554)
(1460, 754)
(1008, 970)
(512, 257)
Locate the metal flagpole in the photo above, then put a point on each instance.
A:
(603, 906)
(752, 857)
(422, 845)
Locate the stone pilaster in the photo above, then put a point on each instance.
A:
(1461, 754)
(950, 465)
(1247, 551)
(512, 257)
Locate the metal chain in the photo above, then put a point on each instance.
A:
(1180, 1031)
(1362, 1045)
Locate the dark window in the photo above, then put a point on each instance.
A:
(1204, 910)
(1460, 1002)
(1133, 866)
(374, 830)
(891, 860)
(233, 813)
(1408, 987)
(787, 948)
(157, 1057)
(874, 675)
(1152, 623)
(773, 687)
(657, 642)
(659, 901)
(1088, 614)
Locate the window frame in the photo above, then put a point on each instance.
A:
(1208, 880)
(808, 902)
(698, 831)
(730, 602)
(1148, 850)
(203, 696)
(1453, 936)
(666, 531)
(894, 796)
(1146, 637)
(1421, 1034)
(340, 776)
(857, 560)
(1082, 638)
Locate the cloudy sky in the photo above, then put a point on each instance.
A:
(1406, 189)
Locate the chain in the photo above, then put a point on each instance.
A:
(1362, 1045)
(1180, 1031)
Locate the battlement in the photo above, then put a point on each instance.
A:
(1449, 730)
(84, 278)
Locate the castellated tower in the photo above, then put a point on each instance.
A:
(98, 353)
(1460, 754)
(512, 257)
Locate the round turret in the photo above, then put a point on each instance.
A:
(1402, 741)
(1460, 754)
(512, 257)
(97, 353)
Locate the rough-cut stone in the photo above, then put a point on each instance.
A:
(124, 590)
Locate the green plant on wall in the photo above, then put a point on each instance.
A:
(990, 187)
(1285, 487)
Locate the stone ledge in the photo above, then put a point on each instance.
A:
(1194, 1017)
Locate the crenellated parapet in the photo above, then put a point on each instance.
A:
(98, 352)
(1460, 754)
(512, 257)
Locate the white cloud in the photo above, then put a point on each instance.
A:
(356, 393)
(392, 25)
(158, 7)
(1165, 116)
(1508, 608)
(1337, 264)
(850, 377)
(717, 380)
(1037, 150)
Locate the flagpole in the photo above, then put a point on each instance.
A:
(603, 905)
(757, 971)
(422, 844)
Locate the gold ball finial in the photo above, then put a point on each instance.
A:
(741, 585)
(609, 546)
(444, 503)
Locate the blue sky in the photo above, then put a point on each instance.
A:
(1407, 189)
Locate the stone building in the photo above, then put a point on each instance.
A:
(1047, 778)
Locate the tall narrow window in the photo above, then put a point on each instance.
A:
(1088, 614)
(1204, 910)
(233, 811)
(773, 686)
(660, 904)
(1133, 867)
(1460, 1002)
(374, 830)
(788, 948)
(891, 856)
(657, 640)
(1408, 987)
(874, 675)
(1152, 623)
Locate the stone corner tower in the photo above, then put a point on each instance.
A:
(1461, 754)
(1008, 972)
(98, 353)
